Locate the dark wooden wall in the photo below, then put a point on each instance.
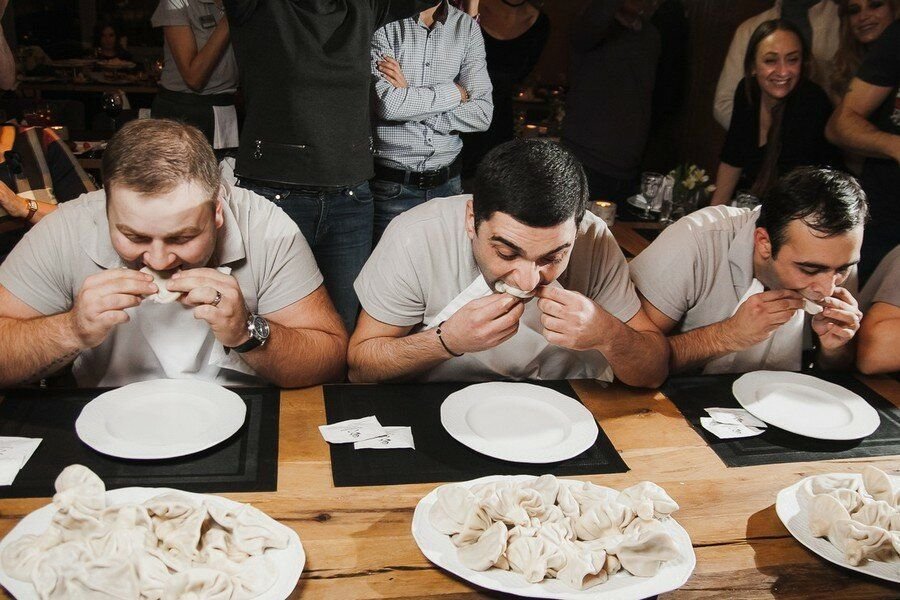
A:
(692, 135)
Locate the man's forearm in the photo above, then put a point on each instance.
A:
(388, 358)
(638, 358)
(852, 131)
(699, 346)
(299, 357)
(31, 349)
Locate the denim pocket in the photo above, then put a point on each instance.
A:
(385, 190)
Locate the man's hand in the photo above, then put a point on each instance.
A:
(839, 322)
(569, 318)
(762, 314)
(483, 323)
(227, 316)
(463, 93)
(102, 300)
(11, 203)
(391, 70)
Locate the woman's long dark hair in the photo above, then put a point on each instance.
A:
(768, 172)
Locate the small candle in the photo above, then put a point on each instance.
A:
(605, 210)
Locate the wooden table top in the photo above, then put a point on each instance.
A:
(358, 542)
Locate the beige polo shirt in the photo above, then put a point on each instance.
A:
(262, 246)
(424, 260)
(884, 284)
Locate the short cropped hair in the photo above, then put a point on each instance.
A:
(152, 156)
(828, 201)
(536, 182)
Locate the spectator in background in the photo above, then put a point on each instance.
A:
(200, 75)
(431, 83)
(306, 142)
(615, 50)
(7, 60)
(818, 22)
(515, 33)
(862, 22)
(867, 121)
(779, 115)
(109, 43)
(37, 171)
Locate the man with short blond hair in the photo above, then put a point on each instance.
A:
(85, 286)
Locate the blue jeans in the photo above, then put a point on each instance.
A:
(337, 224)
(391, 199)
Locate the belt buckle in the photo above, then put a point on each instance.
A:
(429, 179)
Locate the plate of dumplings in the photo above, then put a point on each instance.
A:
(147, 544)
(545, 537)
(850, 519)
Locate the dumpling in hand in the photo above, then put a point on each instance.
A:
(644, 554)
(452, 505)
(648, 500)
(824, 511)
(486, 552)
(879, 486)
(161, 280)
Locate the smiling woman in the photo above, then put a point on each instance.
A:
(779, 115)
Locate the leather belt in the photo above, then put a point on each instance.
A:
(423, 180)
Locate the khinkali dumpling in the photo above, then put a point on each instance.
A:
(602, 520)
(249, 578)
(252, 531)
(177, 522)
(452, 505)
(547, 486)
(586, 493)
(53, 570)
(80, 498)
(859, 542)
(567, 502)
(880, 514)
(644, 554)
(583, 568)
(199, 584)
(851, 500)
(823, 484)
(484, 553)
(20, 556)
(513, 505)
(534, 557)
(105, 579)
(128, 531)
(648, 500)
(879, 485)
(824, 511)
(476, 523)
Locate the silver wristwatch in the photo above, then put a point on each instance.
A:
(258, 328)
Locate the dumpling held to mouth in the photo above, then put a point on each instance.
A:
(161, 278)
(504, 287)
(811, 307)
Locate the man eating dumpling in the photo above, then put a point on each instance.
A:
(441, 292)
(732, 287)
(249, 302)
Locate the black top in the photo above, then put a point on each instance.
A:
(802, 132)
(508, 63)
(305, 74)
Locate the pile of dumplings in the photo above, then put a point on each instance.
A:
(860, 518)
(574, 531)
(166, 548)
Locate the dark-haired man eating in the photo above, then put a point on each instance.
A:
(442, 292)
(729, 285)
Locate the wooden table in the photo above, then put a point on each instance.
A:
(358, 540)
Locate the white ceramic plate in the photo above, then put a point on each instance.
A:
(161, 418)
(289, 561)
(519, 422)
(792, 509)
(438, 548)
(806, 405)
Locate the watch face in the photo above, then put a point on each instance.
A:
(260, 328)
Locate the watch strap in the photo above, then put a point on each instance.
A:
(248, 345)
(32, 209)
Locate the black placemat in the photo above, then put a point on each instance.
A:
(245, 462)
(693, 394)
(437, 457)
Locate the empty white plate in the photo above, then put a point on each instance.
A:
(162, 418)
(792, 507)
(806, 405)
(519, 422)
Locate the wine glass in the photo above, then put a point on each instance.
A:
(665, 207)
(112, 106)
(650, 186)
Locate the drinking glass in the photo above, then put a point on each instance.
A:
(665, 207)
(650, 187)
(112, 106)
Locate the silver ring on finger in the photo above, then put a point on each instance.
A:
(217, 299)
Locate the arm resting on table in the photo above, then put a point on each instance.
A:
(877, 340)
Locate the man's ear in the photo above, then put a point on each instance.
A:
(470, 220)
(762, 243)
